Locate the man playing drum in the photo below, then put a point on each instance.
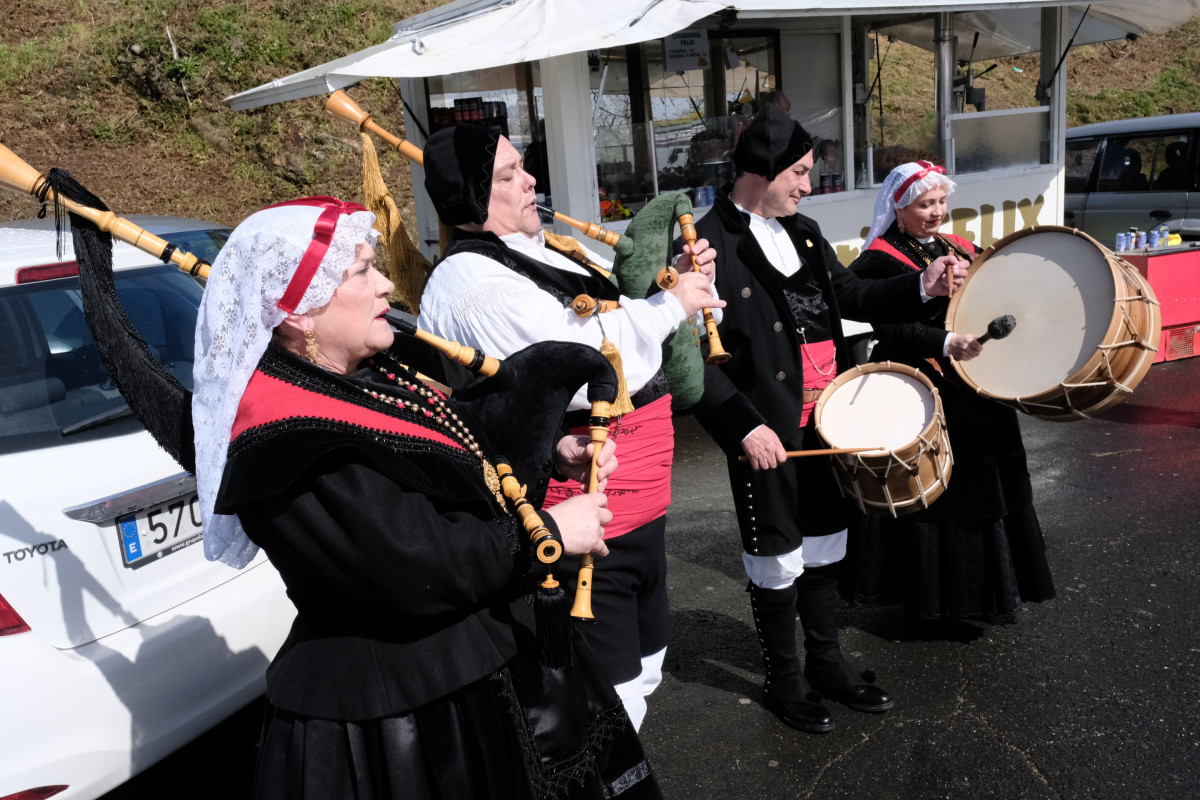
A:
(500, 288)
(786, 294)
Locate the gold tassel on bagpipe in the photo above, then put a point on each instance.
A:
(408, 269)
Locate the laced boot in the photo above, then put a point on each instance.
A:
(824, 665)
(786, 693)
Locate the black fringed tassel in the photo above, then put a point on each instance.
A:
(160, 401)
(552, 612)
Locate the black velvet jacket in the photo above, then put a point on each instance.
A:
(763, 382)
(406, 572)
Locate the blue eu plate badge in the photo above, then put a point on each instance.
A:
(129, 539)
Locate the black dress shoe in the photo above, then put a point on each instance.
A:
(861, 697)
(804, 715)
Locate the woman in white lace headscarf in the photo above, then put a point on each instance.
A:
(243, 305)
(977, 552)
(412, 578)
(902, 186)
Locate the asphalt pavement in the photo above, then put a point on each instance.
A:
(1091, 695)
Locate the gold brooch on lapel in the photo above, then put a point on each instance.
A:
(808, 242)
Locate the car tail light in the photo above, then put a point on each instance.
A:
(10, 623)
(46, 272)
(40, 793)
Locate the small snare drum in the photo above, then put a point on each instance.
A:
(894, 407)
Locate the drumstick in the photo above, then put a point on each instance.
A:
(833, 451)
(999, 328)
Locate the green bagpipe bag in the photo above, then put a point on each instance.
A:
(651, 232)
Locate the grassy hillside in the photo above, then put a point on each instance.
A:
(1114, 80)
(128, 96)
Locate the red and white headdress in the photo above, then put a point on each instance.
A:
(287, 258)
(903, 185)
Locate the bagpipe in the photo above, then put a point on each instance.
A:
(639, 271)
(538, 381)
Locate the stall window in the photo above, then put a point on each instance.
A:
(668, 111)
(507, 97)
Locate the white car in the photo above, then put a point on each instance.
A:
(119, 641)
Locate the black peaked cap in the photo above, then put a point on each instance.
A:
(458, 172)
(771, 143)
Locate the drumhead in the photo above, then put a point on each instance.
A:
(1060, 289)
(876, 409)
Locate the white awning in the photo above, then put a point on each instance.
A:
(1017, 31)
(477, 34)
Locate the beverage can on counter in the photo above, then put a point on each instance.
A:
(1152, 237)
(1122, 242)
(1142, 241)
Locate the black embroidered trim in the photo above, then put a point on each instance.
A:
(283, 366)
(556, 780)
(396, 442)
(806, 301)
(562, 286)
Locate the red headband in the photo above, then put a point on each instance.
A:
(317, 248)
(916, 176)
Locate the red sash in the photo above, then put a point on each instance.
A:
(640, 490)
(818, 358)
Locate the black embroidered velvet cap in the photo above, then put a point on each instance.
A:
(771, 143)
(458, 172)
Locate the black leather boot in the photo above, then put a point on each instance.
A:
(824, 665)
(786, 693)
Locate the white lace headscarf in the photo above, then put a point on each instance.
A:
(903, 185)
(239, 311)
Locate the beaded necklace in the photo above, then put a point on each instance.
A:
(917, 250)
(436, 411)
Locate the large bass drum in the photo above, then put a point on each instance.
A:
(896, 409)
(1087, 324)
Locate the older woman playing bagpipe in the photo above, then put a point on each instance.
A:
(431, 654)
(977, 552)
(412, 669)
(500, 286)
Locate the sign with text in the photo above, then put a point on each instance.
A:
(686, 50)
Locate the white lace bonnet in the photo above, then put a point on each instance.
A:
(903, 185)
(286, 258)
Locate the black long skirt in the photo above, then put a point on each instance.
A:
(524, 733)
(978, 551)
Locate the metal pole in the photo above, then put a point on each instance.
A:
(944, 41)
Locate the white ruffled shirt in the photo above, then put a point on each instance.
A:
(481, 303)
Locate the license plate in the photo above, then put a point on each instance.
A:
(158, 531)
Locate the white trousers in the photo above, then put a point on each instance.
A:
(778, 572)
(633, 693)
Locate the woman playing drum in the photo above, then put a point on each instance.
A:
(978, 551)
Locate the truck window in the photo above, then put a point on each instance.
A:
(1171, 173)
(1144, 163)
(1081, 153)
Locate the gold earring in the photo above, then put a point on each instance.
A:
(900, 225)
(311, 349)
